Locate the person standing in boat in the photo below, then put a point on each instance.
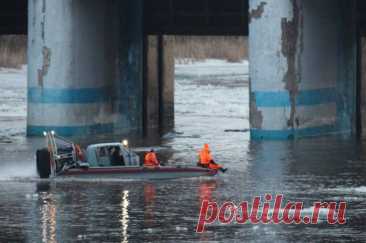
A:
(151, 160)
(205, 159)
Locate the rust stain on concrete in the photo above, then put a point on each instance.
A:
(257, 13)
(43, 19)
(255, 116)
(46, 53)
(291, 31)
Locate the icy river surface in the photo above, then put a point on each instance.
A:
(211, 105)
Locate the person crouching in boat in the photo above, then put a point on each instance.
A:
(151, 159)
(205, 160)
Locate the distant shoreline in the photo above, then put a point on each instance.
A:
(187, 49)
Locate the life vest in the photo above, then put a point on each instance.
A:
(151, 160)
(206, 160)
(205, 155)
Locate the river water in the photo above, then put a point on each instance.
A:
(211, 106)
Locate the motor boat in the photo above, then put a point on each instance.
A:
(64, 159)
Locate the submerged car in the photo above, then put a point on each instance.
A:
(63, 158)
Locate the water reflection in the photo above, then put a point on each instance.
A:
(149, 203)
(268, 164)
(205, 192)
(206, 188)
(48, 213)
(124, 216)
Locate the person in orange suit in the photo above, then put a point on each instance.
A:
(151, 159)
(79, 153)
(205, 159)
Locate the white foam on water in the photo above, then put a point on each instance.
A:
(33, 196)
(18, 172)
(13, 92)
(255, 227)
(150, 230)
(310, 210)
(348, 190)
(348, 199)
(323, 212)
(179, 228)
(212, 67)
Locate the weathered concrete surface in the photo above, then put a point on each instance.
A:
(257, 12)
(302, 68)
(71, 67)
(85, 67)
(152, 90)
(130, 66)
(363, 86)
(159, 84)
(167, 86)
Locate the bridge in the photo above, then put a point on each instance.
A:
(101, 66)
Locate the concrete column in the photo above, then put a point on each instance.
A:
(302, 68)
(85, 67)
(363, 87)
(152, 86)
(71, 67)
(167, 85)
(159, 84)
(130, 65)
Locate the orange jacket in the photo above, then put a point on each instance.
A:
(205, 155)
(79, 153)
(151, 159)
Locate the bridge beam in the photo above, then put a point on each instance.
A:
(302, 68)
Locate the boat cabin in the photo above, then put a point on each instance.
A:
(111, 154)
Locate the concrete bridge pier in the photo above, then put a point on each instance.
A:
(159, 84)
(85, 67)
(303, 66)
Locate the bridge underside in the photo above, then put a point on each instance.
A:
(168, 17)
(196, 17)
(105, 66)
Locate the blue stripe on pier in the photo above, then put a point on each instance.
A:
(68, 96)
(259, 134)
(303, 98)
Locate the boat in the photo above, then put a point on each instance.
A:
(64, 159)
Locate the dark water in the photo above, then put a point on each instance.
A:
(326, 169)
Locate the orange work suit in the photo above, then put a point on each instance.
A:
(205, 159)
(151, 160)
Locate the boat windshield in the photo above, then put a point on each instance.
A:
(109, 156)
